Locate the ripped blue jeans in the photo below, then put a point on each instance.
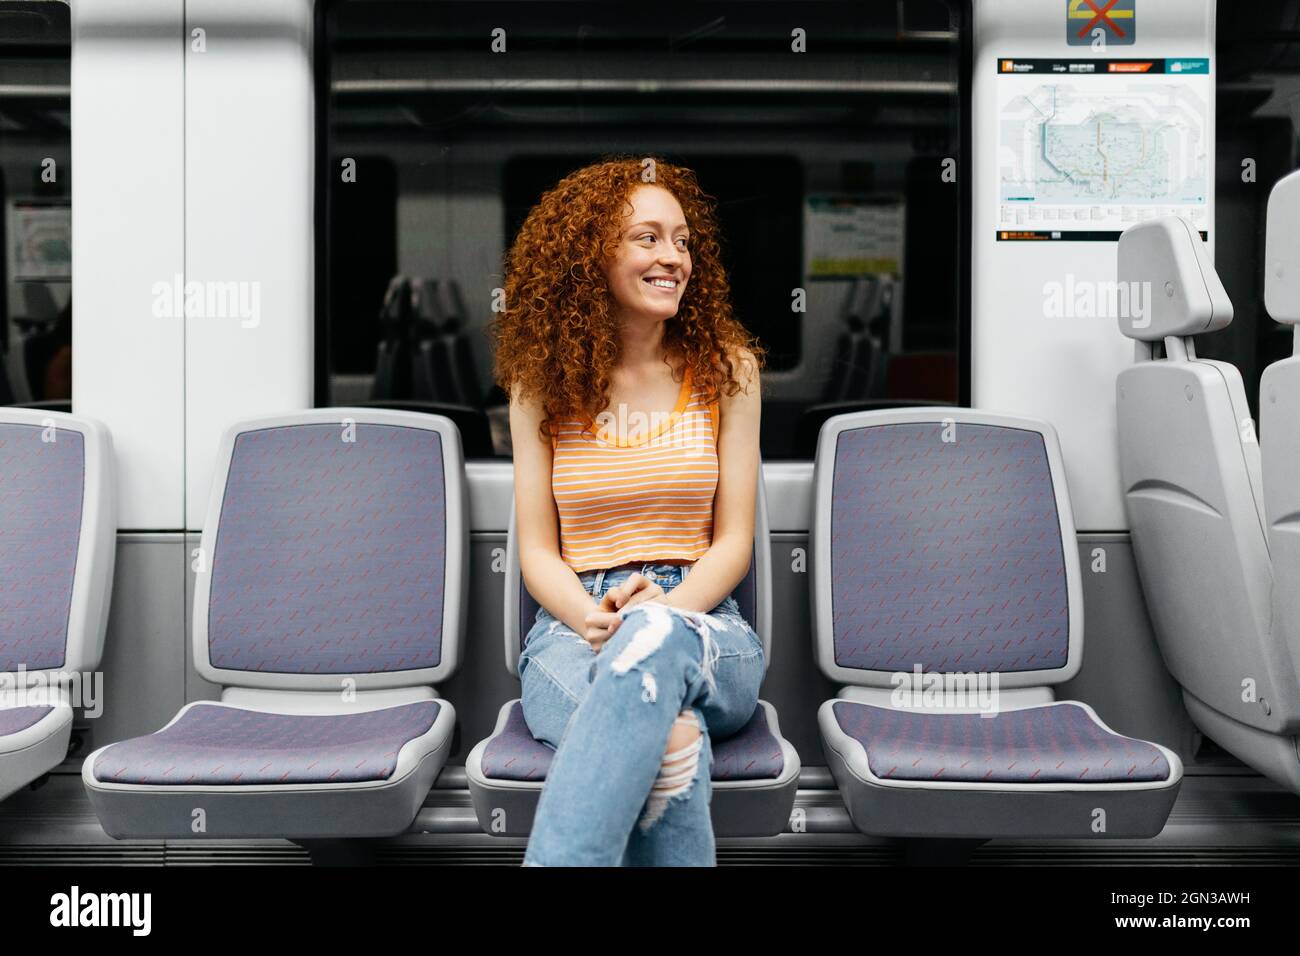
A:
(612, 795)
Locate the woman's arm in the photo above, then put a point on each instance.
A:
(716, 574)
(537, 525)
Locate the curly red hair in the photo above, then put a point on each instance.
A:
(557, 337)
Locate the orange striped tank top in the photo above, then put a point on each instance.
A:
(645, 499)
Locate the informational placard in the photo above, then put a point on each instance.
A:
(39, 240)
(1087, 148)
(1087, 116)
(850, 236)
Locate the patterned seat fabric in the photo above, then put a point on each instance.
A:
(41, 485)
(1060, 743)
(330, 556)
(946, 554)
(220, 745)
(14, 719)
(753, 753)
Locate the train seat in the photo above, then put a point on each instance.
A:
(1192, 478)
(330, 598)
(57, 547)
(946, 597)
(755, 771)
(1279, 447)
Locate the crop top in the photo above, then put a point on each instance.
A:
(647, 499)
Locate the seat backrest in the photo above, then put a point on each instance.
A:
(1279, 423)
(942, 539)
(335, 547)
(58, 529)
(1189, 467)
(753, 594)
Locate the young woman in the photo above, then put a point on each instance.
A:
(634, 419)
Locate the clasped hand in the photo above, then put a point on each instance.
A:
(605, 619)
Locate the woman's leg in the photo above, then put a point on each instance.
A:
(659, 662)
(683, 835)
(554, 673)
(675, 828)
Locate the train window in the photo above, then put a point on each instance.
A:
(828, 134)
(35, 190)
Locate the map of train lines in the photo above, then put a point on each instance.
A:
(1141, 144)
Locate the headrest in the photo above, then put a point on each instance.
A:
(1282, 252)
(1169, 282)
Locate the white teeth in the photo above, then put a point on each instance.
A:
(664, 283)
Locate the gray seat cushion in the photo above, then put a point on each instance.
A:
(753, 753)
(14, 719)
(1060, 743)
(212, 744)
(1053, 771)
(755, 777)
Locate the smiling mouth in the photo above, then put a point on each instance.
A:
(668, 285)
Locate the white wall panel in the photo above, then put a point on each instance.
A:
(249, 141)
(127, 236)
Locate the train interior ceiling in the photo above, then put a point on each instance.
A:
(844, 173)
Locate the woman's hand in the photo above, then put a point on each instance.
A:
(605, 620)
(601, 626)
(636, 589)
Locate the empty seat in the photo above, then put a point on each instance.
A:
(1279, 446)
(1191, 471)
(330, 596)
(946, 595)
(755, 771)
(57, 545)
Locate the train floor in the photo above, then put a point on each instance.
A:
(1222, 817)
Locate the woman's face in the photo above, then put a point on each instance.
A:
(649, 271)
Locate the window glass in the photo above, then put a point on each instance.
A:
(36, 222)
(823, 131)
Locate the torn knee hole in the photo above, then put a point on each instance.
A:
(678, 769)
(683, 754)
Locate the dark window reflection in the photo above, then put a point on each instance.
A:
(841, 238)
(36, 224)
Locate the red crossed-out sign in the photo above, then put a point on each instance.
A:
(1101, 15)
(1113, 20)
